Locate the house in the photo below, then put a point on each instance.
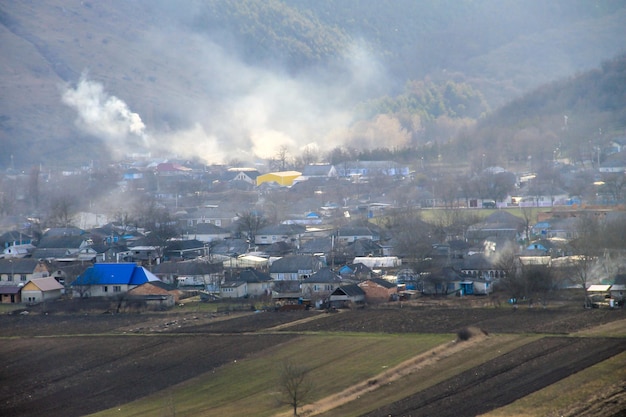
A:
(499, 224)
(278, 249)
(477, 266)
(346, 296)
(565, 228)
(14, 238)
(54, 246)
(320, 285)
(22, 270)
(378, 290)
(362, 169)
(229, 247)
(209, 213)
(42, 289)
(289, 233)
(476, 286)
(258, 283)
(363, 247)
(442, 281)
(17, 251)
(11, 294)
(234, 289)
(319, 171)
(194, 273)
(295, 267)
(144, 254)
(207, 232)
(243, 175)
(110, 280)
(320, 245)
(245, 261)
(185, 249)
(350, 234)
(283, 179)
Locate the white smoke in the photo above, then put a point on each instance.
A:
(103, 115)
(225, 109)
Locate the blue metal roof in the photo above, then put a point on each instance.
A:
(115, 274)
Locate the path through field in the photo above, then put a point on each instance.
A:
(405, 368)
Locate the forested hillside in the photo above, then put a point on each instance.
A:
(571, 119)
(217, 79)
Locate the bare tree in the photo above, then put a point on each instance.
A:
(614, 185)
(414, 237)
(309, 156)
(249, 223)
(586, 249)
(62, 211)
(280, 161)
(508, 262)
(295, 386)
(527, 215)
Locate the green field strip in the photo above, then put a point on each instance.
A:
(248, 387)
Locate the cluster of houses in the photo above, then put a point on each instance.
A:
(311, 258)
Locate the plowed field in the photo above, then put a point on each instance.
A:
(73, 365)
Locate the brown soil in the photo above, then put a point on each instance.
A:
(451, 320)
(506, 378)
(80, 363)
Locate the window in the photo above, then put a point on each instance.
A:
(105, 288)
(10, 277)
(23, 278)
(117, 288)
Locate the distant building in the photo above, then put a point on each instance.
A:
(284, 178)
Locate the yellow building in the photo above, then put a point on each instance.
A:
(284, 178)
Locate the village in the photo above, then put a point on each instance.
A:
(328, 236)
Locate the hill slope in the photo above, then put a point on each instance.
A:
(241, 75)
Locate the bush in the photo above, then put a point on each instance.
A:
(464, 334)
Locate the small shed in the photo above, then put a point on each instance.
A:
(347, 295)
(11, 294)
(378, 290)
(155, 294)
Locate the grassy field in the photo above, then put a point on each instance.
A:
(248, 387)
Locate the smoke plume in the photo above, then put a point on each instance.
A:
(103, 115)
(232, 110)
